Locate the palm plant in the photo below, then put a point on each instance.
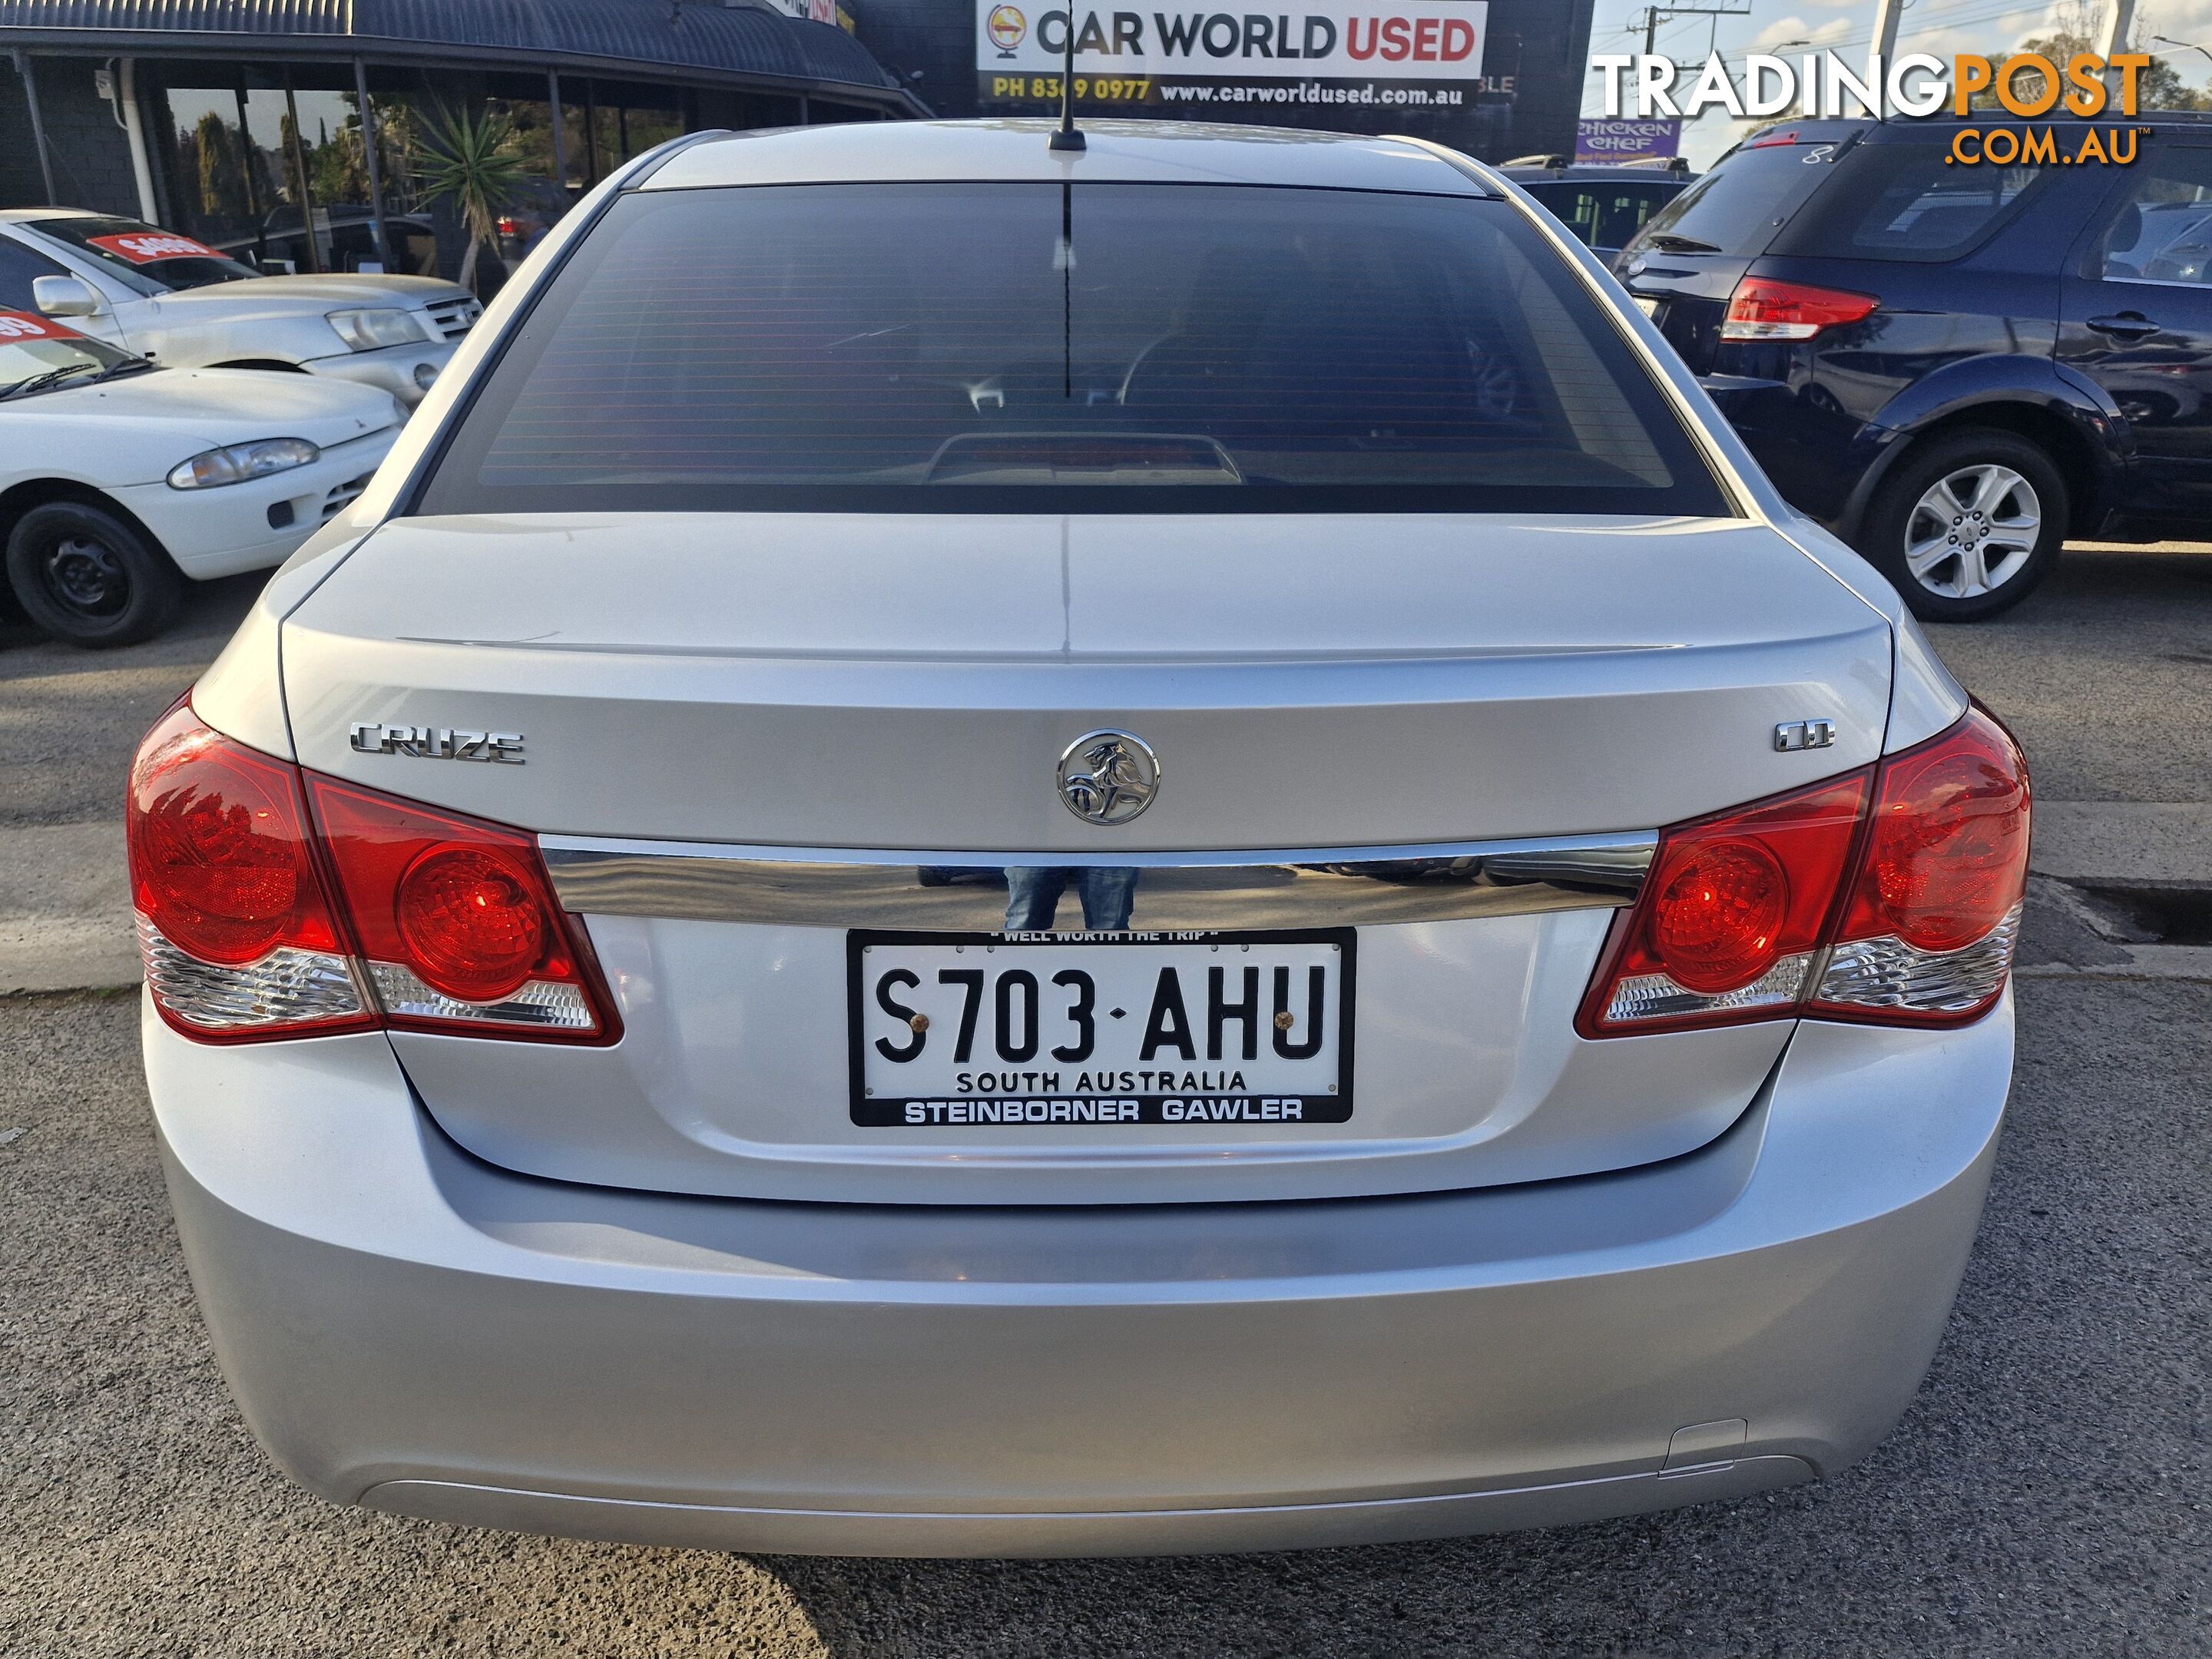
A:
(475, 164)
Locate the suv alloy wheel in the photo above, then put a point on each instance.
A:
(1968, 524)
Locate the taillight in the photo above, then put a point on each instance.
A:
(1732, 914)
(1761, 309)
(234, 924)
(455, 918)
(1927, 937)
(260, 915)
(1889, 895)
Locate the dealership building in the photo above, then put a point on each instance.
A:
(293, 131)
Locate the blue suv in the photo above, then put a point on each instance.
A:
(1955, 367)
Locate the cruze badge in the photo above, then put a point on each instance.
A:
(1108, 777)
(435, 742)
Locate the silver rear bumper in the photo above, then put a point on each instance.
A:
(407, 1328)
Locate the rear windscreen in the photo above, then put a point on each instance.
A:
(1739, 206)
(1040, 347)
(1910, 201)
(1602, 215)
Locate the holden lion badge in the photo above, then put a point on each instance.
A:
(1108, 777)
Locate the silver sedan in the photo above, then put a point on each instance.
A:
(981, 849)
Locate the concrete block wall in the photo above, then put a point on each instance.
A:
(90, 152)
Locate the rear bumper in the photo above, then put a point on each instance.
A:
(408, 1328)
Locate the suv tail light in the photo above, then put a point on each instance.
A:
(1890, 895)
(1762, 309)
(274, 904)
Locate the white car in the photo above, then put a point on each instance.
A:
(121, 479)
(987, 849)
(184, 304)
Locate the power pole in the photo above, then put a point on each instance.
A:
(2119, 23)
(1883, 48)
(1654, 14)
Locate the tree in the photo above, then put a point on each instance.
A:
(2159, 85)
(216, 169)
(476, 165)
(338, 167)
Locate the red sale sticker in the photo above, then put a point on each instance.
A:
(144, 248)
(22, 325)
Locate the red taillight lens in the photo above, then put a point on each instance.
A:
(1762, 309)
(272, 904)
(1947, 859)
(1717, 922)
(471, 924)
(219, 856)
(1906, 912)
(456, 918)
(1934, 914)
(235, 925)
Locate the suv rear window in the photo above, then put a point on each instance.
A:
(1903, 201)
(1738, 206)
(1035, 347)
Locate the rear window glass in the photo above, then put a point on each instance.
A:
(1739, 206)
(1602, 215)
(1908, 202)
(1036, 347)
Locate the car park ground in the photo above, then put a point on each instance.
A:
(2046, 1493)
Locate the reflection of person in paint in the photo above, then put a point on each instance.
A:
(1033, 895)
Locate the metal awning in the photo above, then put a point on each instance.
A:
(702, 41)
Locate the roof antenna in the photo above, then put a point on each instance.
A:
(1068, 137)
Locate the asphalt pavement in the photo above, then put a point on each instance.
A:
(2047, 1494)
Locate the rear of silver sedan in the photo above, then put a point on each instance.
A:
(1216, 877)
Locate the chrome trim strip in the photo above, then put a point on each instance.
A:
(965, 892)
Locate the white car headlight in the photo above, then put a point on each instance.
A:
(364, 330)
(240, 462)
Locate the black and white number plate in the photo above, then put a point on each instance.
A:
(1138, 1028)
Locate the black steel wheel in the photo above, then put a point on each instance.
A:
(84, 575)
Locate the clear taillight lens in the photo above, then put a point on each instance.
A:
(259, 916)
(1810, 902)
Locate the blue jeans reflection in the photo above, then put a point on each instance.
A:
(1033, 895)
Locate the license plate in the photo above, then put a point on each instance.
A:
(1184, 1028)
(1646, 304)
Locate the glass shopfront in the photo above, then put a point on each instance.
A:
(268, 162)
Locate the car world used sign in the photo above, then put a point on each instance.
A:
(1341, 51)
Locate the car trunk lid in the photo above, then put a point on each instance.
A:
(758, 690)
